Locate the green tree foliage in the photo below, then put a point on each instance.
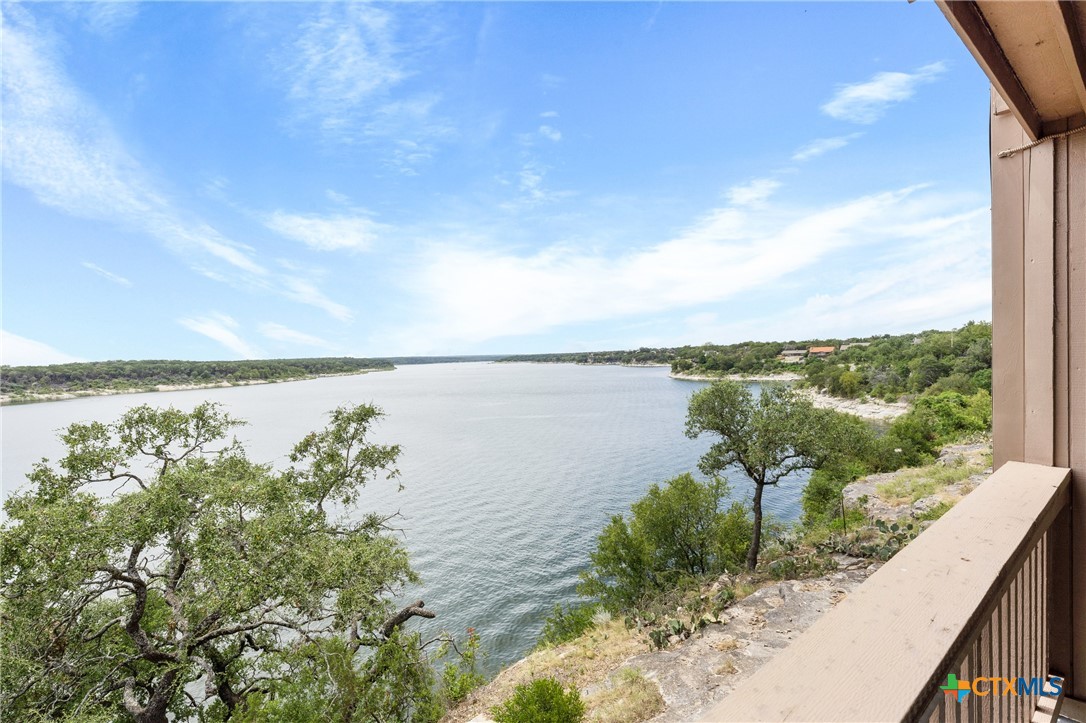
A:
(135, 375)
(676, 531)
(767, 438)
(881, 366)
(155, 560)
(544, 700)
(889, 366)
(566, 623)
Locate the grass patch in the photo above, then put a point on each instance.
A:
(728, 668)
(914, 484)
(631, 698)
(935, 512)
(584, 661)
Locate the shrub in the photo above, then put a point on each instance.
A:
(676, 533)
(459, 678)
(566, 624)
(821, 498)
(911, 441)
(955, 413)
(544, 700)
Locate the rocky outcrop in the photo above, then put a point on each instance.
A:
(698, 673)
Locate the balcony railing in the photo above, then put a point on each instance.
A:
(972, 596)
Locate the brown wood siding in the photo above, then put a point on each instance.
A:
(1074, 187)
(1008, 311)
(1039, 348)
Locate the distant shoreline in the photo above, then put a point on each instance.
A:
(874, 409)
(13, 399)
(777, 377)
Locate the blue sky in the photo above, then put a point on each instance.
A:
(210, 181)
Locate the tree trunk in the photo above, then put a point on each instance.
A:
(756, 538)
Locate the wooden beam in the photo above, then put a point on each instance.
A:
(1008, 293)
(1039, 296)
(968, 21)
(883, 651)
(1076, 395)
(1065, 25)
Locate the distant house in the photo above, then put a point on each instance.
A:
(791, 356)
(855, 343)
(820, 351)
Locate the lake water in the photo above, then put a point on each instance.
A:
(509, 470)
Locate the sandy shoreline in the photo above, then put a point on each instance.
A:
(875, 409)
(9, 399)
(779, 377)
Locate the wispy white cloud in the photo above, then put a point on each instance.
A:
(866, 102)
(341, 71)
(550, 133)
(549, 114)
(105, 19)
(115, 278)
(532, 189)
(223, 329)
(550, 81)
(935, 273)
(819, 146)
(753, 193)
(326, 233)
(468, 295)
(60, 147)
(17, 350)
(341, 60)
(306, 292)
(278, 332)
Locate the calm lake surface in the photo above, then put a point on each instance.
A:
(509, 470)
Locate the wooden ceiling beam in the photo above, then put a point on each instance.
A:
(1065, 25)
(968, 21)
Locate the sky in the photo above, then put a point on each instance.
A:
(265, 180)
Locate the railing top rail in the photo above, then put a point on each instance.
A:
(879, 655)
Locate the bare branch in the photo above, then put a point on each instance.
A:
(414, 609)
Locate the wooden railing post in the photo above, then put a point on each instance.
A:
(1060, 634)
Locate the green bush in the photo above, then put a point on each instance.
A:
(911, 441)
(541, 701)
(566, 623)
(676, 533)
(822, 498)
(461, 677)
(956, 414)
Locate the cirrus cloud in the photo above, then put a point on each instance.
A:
(866, 102)
(469, 295)
(326, 233)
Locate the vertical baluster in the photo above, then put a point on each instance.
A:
(1017, 644)
(1035, 610)
(1001, 649)
(1027, 632)
(989, 713)
(1019, 636)
(977, 711)
(1043, 591)
(1012, 644)
(965, 673)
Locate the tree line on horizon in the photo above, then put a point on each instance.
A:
(126, 375)
(886, 366)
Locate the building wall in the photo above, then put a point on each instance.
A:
(1039, 344)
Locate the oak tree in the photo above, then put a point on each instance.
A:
(157, 572)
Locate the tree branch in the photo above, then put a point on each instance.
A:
(414, 609)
